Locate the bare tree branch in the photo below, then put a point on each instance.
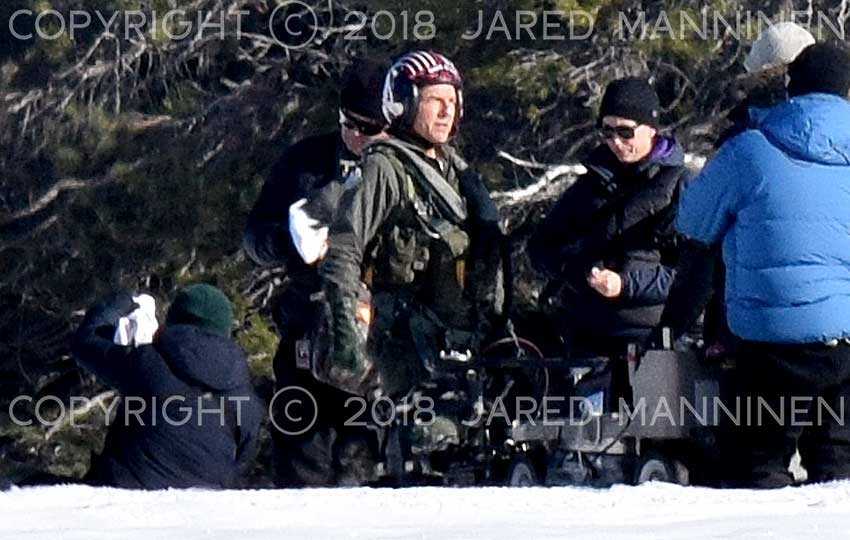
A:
(63, 185)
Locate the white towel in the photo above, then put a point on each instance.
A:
(139, 327)
(308, 234)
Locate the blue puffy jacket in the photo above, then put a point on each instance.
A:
(778, 197)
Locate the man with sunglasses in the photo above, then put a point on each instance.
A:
(313, 163)
(608, 246)
(307, 181)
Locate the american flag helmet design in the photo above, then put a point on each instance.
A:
(411, 71)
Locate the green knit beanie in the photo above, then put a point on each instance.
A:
(203, 306)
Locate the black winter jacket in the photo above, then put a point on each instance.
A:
(619, 217)
(186, 378)
(304, 168)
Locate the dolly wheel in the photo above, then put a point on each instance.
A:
(522, 473)
(657, 468)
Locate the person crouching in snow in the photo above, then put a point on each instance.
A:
(189, 417)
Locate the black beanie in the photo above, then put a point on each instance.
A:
(362, 89)
(203, 306)
(822, 67)
(630, 98)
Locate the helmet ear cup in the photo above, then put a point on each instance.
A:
(400, 99)
(458, 111)
(392, 108)
(411, 106)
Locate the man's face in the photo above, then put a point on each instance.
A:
(436, 113)
(629, 141)
(358, 131)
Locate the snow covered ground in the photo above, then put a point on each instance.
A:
(652, 511)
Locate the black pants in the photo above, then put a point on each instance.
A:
(333, 451)
(803, 388)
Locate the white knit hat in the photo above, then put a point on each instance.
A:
(779, 45)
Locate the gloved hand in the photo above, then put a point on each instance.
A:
(120, 301)
(358, 381)
(104, 315)
(350, 368)
(110, 308)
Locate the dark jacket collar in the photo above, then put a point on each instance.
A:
(667, 152)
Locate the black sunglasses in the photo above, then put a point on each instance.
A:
(623, 132)
(369, 130)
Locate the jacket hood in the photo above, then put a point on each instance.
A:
(813, 128)
(667, 151)
(756, 115)
(203, 359)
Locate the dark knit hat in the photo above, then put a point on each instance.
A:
(822, 67)
(631, 98)
(203, 306)
(362, 90)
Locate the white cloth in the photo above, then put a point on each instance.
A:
(139, 327)
(308, 234)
